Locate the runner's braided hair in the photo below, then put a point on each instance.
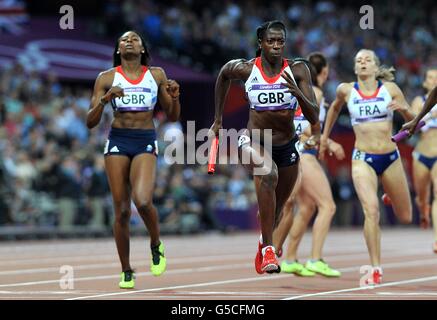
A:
(262, 29)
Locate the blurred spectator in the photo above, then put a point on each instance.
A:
(69, 192)
(97, 189)
(5, 194)
(345, 197)
(50, 163)
(205, 35)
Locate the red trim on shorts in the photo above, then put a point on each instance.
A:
(136, 81)
(267, 78)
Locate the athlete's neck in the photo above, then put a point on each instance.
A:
(368, 84)
(132, 67)
(320, 81)
(271, 69)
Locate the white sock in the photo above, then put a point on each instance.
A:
(261, 238)
(264, 249)
(374, 268)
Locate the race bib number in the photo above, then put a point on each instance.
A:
(358, 155)
(242, 140)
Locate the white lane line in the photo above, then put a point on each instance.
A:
(82, 246)
(182, 260)
(86, 256)
(153, 296)
(78, 257)
(207, 269)
(202, 293)
(112, 276)
(78, 247)
(396, 264)
(39, 260)
(407, 293)
(50, 292)
(388, 284)
(89, 255)
(194, 285)
(345, 270)
(174, 261)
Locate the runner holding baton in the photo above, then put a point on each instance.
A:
(213, 155)
(430, 102)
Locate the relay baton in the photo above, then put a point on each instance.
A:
(404, 133)
(213, 155)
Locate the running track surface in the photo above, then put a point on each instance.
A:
(216, 266)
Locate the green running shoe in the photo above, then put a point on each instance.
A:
(127, 280)
(322, 268)
(159, 262)
(296, 268)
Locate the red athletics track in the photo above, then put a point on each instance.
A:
(214, 266)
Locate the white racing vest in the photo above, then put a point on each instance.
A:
(140, 94)
(323, 110)
(431, 123)
(372, 108)
(269, 94)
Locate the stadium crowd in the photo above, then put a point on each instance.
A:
(205, 34)
(51, 165)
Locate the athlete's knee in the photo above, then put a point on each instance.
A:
(371, 212)
(270, 179)
(306, 213)
(328, 207)
(123, 215)
(144, 206)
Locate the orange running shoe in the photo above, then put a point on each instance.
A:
(259, 258)
(386, 199)
(269, 260)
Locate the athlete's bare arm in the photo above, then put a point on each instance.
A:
(100, 98)
(399, 103)
(429, 104)
(312, 129)
(342, 92)
(168, 93)
(304, 91)
(417, 104)
(238, 69)
(316, 128)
